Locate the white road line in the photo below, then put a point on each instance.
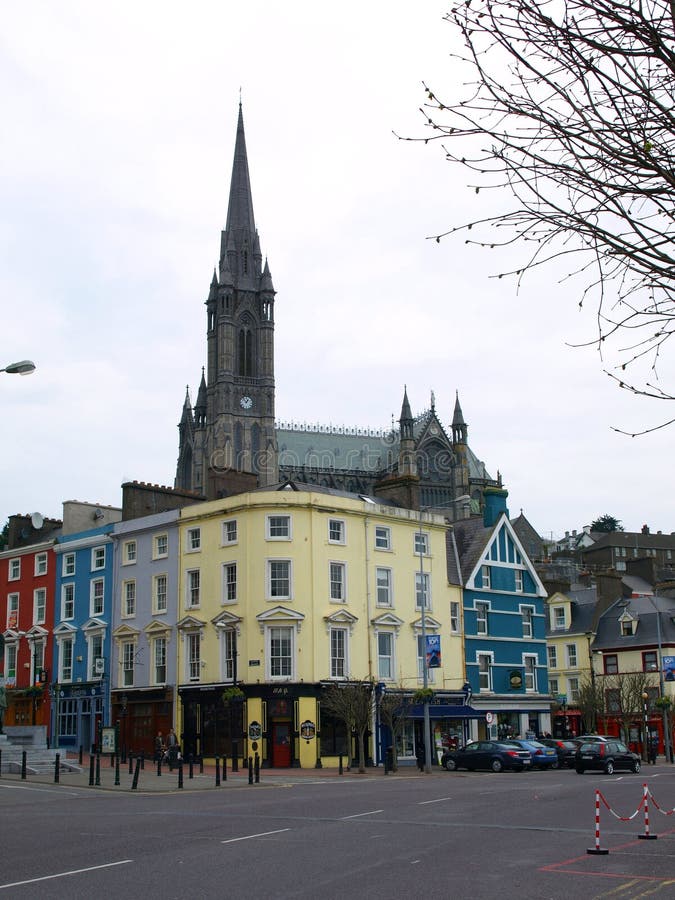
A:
(440, 800)
(21, 787)
(248, 837)
(373, 812)
(121, 862)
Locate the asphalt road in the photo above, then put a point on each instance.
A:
(459, 835)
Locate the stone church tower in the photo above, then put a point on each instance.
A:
(227, 443)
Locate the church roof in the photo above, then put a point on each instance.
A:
(334, 447)
(240, 207)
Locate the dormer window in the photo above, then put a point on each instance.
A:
(558, 618)
(627, 625)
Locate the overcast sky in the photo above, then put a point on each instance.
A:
(118, 132)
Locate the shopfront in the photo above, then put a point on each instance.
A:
(141, 715)
(77, 714)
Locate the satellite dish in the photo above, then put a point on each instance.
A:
(37, 520)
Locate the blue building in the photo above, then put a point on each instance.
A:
(504, 622)
(145, 602)
(82, 625)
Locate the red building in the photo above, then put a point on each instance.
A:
(27, 583)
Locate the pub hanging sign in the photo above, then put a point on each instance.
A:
(307, 730)
(516, 680)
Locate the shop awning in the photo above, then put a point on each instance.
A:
(445, 711)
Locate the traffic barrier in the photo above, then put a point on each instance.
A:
(643, 805)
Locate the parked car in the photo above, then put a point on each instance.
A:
(542, 757)
(564, 749)
(494, 755)
(593, 738)
(605, 756)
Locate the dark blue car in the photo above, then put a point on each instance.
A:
(542, 757)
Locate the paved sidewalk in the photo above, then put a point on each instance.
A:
(150, 782)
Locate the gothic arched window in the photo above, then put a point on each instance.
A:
(245, 353)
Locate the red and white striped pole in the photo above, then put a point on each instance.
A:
(645, 801)
(597, 849)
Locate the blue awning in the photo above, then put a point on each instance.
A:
(445, 711)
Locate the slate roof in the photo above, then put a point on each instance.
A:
(583, 605)
(468, 537)
(609, 636)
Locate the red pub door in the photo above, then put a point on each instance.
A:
(281, 745)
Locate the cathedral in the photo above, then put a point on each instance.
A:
(230, 441)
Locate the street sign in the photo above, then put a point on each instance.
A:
(489, 718)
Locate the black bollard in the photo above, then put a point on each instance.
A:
(79, 759)
(235, 757)
(256, 767)
(112, 760)
(250, 770)
(57, 767)
(225, 767)
(159, 764)
(217, 771)
(180, 773)
(98, 769)
(131, 763)
(134, 783)
(23, 766)
(340, 765)
(143, 760)
(201, 763)
(0, 763)
(91, 769)
(190, 766)
(117, 770)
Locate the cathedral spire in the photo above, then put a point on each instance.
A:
(459, 427)
(240, 207)
(407, 463)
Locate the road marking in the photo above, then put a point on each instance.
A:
(248, 837)
(121, 862)
(373, 812)
(21, 787)
(440, 800)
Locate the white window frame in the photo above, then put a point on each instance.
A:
(527, 619)
(193, 656)
(519, 581)
(382, 537)
(485, 684)
(14, 569)
(66, 671)
(384, 590)
(10, 663)
(129, 553)
(337, 531)
(13, 600)
(193, 588)
(129, 597)
(289, 633)
(552, 651)
(40, 564)
(228, 652)
(67, 599)
(193, 539)
(558, 618)
(553, 686)
(482, 608)
(421, 540)
(230, 586)
(278, 527)
(68, 565)
(159, 642)
(573, 690)
(423, 591)
(270, 564)
(230, 532)
(127, 663)
(97, 558)
(455, 616)
(571, 656)
(159, 541)
(160, 577)
(486, 577)
(37, 659)
(339, 655)
(92, 655)
(389, 658)
(93, 610)
(337, 581)
(530, 661)
(39, 619)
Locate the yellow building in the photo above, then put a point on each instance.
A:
(283, 592)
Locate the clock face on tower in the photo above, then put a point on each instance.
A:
(246, 402)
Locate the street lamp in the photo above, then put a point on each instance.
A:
(23, 367)
(666, 717)
(425, 673)
(645, 733)
(589, 638)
